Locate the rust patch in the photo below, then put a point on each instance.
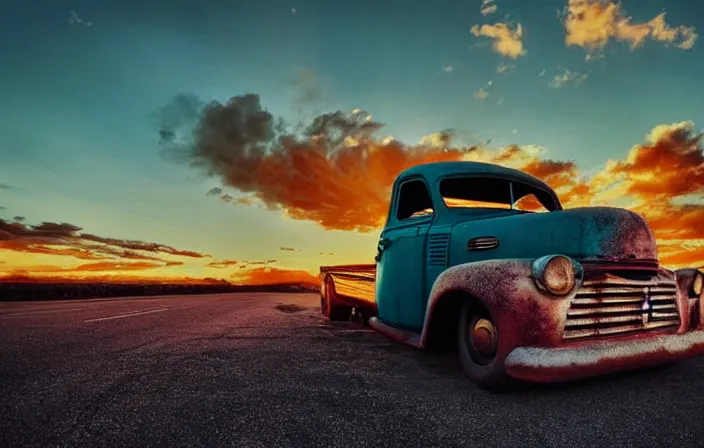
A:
(532, 322)
(523, 314)
(406, 337)
(625, 233)
(599, 358)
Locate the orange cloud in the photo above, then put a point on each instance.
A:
(140, 246)
(222, 264)
(334, 172)
(591, 24)
(670, 163)
(241, 264)
(30, 248)
(681, 253)
(111, 266)
(271, 276)
(111, 255)
(103, 266)
(260, 262)
(506, 41)
(663, 179)
(338, 174)
(67, 239)
(689, 228)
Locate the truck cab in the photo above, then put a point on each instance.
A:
(427, 203)
(484, 257)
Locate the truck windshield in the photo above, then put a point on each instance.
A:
(487, 192)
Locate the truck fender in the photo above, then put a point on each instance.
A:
(685, 279)
(523, 314)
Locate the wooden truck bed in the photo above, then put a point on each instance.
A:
(353, 282)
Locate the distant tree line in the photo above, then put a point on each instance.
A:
(21, 291)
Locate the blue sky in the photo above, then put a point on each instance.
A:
(78, 133)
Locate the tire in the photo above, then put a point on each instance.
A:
(484, 367)
(361, 316)
(328, 308)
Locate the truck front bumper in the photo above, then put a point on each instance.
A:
(543, 364)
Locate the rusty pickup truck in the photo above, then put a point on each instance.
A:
(484, 258)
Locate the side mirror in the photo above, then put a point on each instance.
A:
(381, 246)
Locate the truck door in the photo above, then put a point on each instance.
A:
(400, 274)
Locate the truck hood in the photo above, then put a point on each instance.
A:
(590, 233)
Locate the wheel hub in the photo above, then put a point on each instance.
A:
(484, 339)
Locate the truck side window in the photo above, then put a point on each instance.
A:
(530, 203)
(414, 200)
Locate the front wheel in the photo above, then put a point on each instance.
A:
(328, 307)
(478, 342)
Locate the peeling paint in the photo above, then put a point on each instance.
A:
(522, 313)
(585, 355)
(555, 364)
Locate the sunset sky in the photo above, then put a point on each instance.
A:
(100, 100)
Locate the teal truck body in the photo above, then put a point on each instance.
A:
(485, 258)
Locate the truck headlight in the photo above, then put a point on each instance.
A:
(698, 284)
(556, 274)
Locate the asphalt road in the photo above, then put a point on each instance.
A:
(248, 370)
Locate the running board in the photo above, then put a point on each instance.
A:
(407, 337)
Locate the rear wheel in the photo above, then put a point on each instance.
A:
(478, 342)
(328, 307)
(360, 315)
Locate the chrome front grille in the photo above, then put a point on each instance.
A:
(613, 305)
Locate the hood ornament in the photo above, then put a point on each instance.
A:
(647, 306)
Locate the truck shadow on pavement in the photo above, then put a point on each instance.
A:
(289, 308)
(368, 342)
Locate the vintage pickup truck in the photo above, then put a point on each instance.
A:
(484, 258)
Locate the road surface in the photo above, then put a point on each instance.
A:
(248, 370)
